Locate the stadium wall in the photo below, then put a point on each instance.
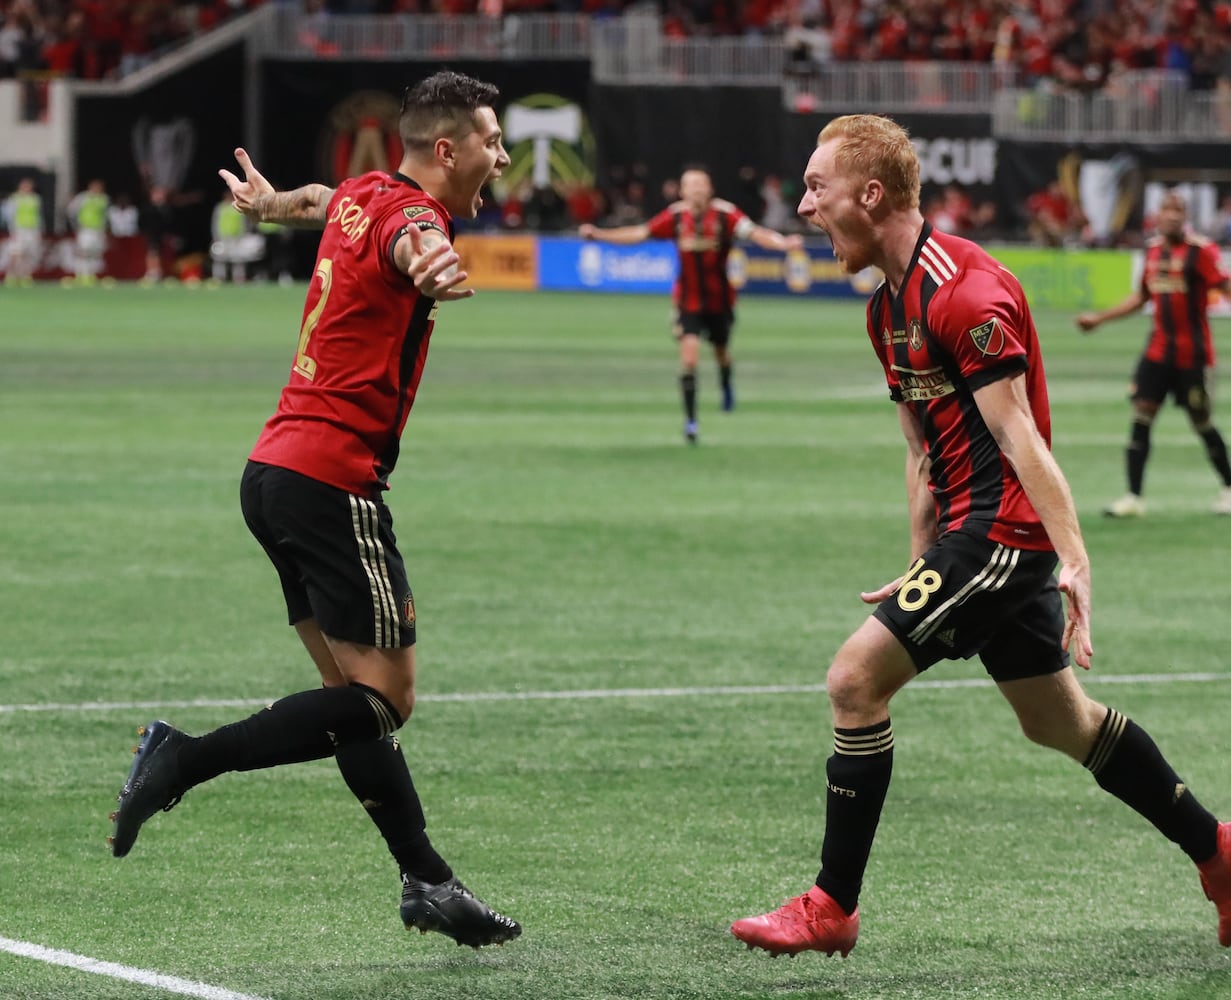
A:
(1059, 279)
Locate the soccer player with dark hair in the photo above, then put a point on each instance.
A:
(991, 515)
(1180, 271)
(704, 229)
(312, 491)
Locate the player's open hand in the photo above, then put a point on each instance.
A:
(434, 266)
(586, 231)
(794, 242)
(1074, 583)
(1086, 322)
(876, 596)
(245, 192)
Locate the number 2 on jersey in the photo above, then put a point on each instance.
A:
(305, 364)
(915, 590)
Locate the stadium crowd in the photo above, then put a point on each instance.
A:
(1079, 44)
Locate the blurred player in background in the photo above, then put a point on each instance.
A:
(1181, 269)
(87, 217)
(703, 228)
(22, 212)
(990, 516)
(312, 490)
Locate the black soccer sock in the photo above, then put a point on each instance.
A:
(1127, 763)
(376, 772)
(1135, 456)
(1216, 449)
(724, 375)
(858, 773)
(304, 726)
(688, 390)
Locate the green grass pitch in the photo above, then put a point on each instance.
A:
(562, 541)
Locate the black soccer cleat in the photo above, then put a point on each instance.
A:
(454, 911)
(153, 783)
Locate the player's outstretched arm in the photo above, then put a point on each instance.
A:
(432, 264)
(770, 239)
(1087, 321)
(625, 235)
(304, 207)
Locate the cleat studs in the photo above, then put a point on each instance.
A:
(135, 749)
(113, 815)
(110, 841)
(141, 730)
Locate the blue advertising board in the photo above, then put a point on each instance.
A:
(571, 264)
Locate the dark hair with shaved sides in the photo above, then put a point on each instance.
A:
(442, 105)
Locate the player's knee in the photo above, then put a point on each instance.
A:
(1064, 732)
(1038, 728)
(848, 687)
(1144, 412)
(1200, 418)
(404, 702)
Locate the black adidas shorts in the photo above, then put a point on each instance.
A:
(714, 327)
(335, 554)
(1191, 388)
(968, 596)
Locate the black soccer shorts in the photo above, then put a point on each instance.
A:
(1153, 382)
(714, 327)
(335, 554)
(967, 595)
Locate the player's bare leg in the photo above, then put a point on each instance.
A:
(1055, 711)
(868, 670)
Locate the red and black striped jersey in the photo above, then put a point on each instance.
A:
(1177, 279)
(362, 343)
(703, 240)
(959, 322)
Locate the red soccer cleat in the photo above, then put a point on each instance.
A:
(1216, 881)
(811, 922)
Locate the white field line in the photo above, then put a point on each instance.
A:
(601, 693)
(82, 963)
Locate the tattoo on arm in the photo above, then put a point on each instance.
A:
(304, 207)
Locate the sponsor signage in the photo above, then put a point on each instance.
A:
(504, 263)
(577, 265)
(1069, 279)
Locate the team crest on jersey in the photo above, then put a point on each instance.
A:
(914, 335)
(988, 338)
(408, 610)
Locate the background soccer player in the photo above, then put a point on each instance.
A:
(87, 215)
(22, 212)
(311, 492)
(703, 228)
(1180, 271)
(990, 513)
